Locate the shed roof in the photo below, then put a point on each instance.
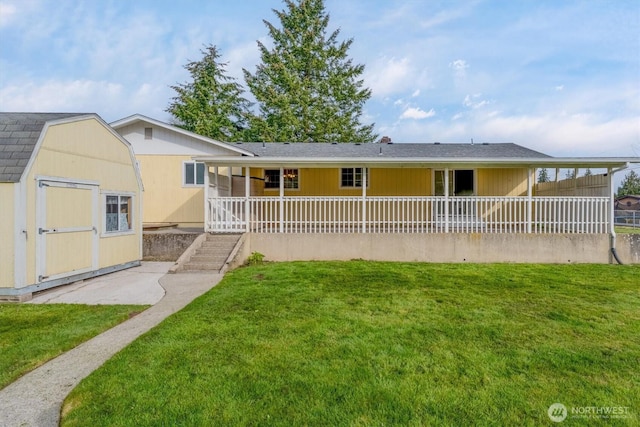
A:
(19, 134)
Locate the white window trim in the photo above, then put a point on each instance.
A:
(103, 213)
(353, 187)
(195, 171)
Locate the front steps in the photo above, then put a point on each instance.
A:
(212, 254)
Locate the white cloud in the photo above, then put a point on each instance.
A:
(7, 12)
(415, 93)
(474, 101)
(417, 113)
(389, 75)
(459, 65)
(559, 88)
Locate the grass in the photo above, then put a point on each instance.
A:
(368, 344)
(32, 334)
(627, 230)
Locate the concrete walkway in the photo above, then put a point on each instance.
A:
(36, 398)
(137, 285)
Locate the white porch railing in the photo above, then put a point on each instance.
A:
(467, 214)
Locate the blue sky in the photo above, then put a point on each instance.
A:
(559, 76)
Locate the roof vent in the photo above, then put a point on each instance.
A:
(334, 143)
(436, 143)
(286, 143)
(357, 143)
(485, 143)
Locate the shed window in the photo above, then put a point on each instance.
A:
(351, 177)
(119, 210)
(193, 174)
(272, 178)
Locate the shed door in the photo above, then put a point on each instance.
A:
(67, 229)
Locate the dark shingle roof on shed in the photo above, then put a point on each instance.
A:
(19, 133)
(401, 150)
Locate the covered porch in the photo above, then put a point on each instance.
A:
(232, 205)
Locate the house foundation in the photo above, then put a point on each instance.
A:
(442, 247)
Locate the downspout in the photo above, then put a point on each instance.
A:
(612, 231)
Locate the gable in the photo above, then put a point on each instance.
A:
(151, 137)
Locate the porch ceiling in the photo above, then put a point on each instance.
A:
(418, 162)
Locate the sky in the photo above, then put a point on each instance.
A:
(558, 76)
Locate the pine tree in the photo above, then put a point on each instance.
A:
(212, 103)
(306, 87)
(543, 175)
(630, 185)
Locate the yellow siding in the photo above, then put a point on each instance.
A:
(165, 199)
(382, 182)
(502, 182)
(86, 150)
(119, 250)
(6, 235)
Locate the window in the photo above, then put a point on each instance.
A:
(193, 174)
(118, 213)
(352, 177)
(148, 133)
(272, 178)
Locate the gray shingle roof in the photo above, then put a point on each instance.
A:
(401, 150)
(19, 133)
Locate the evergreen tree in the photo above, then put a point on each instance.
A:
(211, 104)
(588, 172)
(543, 175)
(630, 185)
(306, 87)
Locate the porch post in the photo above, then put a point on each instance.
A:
(529, 200)
(446, 200)
(611, 210)
(207, 209)
(364, 199)
(281, 202)
(247, 193)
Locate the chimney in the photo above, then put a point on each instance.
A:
(385, 140)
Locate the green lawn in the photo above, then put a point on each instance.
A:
(31, 334)
(627, 230)
(361, 343)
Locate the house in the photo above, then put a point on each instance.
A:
(627, 211)
(413, 202)
(628, 203)
(70, 200)
(173, 181)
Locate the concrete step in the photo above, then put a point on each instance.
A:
(213, 252)
(197, 266)
(211, 259)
